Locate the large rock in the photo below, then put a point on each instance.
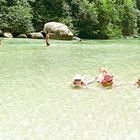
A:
(58, 31)
(77, 38)
(36, 35)
(8, 35)
(22, 36)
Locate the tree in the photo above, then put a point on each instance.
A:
(128, 18)
(108, 18)
(84, 16)
(138, 14)
(16, 17)
(46, 10)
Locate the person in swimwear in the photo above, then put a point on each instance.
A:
(46, 37)
(104, 78)
(81, 81)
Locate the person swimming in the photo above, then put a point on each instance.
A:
(104, 78)
(81, 81)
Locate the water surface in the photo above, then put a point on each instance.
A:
(38, 103)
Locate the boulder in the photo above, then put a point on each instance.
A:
(8, 35)
(22, 36)
(76, 38)
(36, 35)
(135, 36)
(58, 31)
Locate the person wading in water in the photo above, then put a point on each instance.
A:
(46, 37)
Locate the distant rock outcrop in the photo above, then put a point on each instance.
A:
(77, 38)
(58, 31)
(36, 35)
(22, 36)
(7, 35)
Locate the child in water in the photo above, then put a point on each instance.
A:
(81, 82)
(104, 78)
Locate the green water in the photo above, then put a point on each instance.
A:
(38, 103)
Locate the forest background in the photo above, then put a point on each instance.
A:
(90, 19)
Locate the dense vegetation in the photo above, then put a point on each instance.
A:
(86, 18)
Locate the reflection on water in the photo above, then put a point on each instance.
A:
(38, 103)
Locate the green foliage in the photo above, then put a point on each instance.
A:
(16, 18)
(138, 14)
(108, 18)
(138, 4)
(138, 21)
(112, 31)
(65, 16)
(128, 20)
(46, 10)
(2, 2)
(86, 18)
